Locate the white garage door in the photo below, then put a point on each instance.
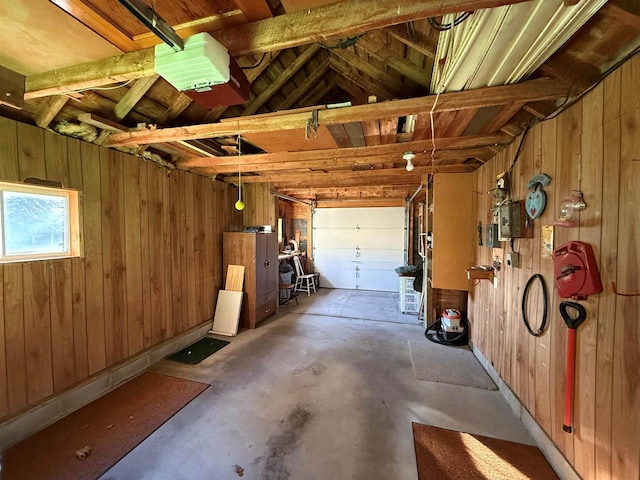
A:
(359, 248)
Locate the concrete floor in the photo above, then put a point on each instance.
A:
(323, 392)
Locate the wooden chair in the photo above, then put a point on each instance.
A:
(304, 282)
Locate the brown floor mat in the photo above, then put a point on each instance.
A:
(449, 455)
(110, 426)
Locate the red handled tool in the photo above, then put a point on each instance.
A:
(573, 322)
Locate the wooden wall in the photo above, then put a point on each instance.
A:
(151, 269)
(593, 146)
(261, 207)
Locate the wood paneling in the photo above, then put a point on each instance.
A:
(593, 146)
(152, 252)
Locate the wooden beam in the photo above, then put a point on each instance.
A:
(503, 116)
(369, 85)
(247, 165)
(343, 19)
(49, 109)
(573, 70)
(315, 96)
(396, 62)
(359, 63)
(422, 44)
(358, 96)
(102, 123)
(122, 68)
(462, 121)
(138, 90)
(397, 149)
(283, 78)
(179, 104)
(395, 176)
(12, 87)
(530, 91)
(311, 80)
(626, 12)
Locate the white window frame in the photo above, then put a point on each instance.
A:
(73, 221)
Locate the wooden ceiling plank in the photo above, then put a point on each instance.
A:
(283, 78)
(356, 134)
(313, 78)
(425, 146)
(315, 96)
(339, 134)
(92, 19)
(369, 69)
(371, 130)
(388, 130)
(540, 109)
(623, 11)
(532, 90)
(358, 95)
(422, 130)
(138, 90)
(422, 43)
(254, 9)
(284, 31)
(179, 104)
(462, 121)
(49, 109)
(503, 116)
(369, 85)
(396, 62)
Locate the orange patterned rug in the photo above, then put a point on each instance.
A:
(109, 428)
(449, 455)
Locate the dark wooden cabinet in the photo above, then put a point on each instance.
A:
(258, 252)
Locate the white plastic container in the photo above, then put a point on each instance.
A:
(409, 298)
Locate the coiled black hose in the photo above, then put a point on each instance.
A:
(525, 293)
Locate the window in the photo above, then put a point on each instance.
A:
(38, 222)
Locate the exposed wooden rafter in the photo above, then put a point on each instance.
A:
(534, 90)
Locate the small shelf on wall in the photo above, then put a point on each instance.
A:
(480, 274)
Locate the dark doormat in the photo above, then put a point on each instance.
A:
(86, 443)
(198, 351)
(450, 455)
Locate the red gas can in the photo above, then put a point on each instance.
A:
(576, 271)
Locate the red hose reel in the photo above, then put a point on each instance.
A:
(576, 271)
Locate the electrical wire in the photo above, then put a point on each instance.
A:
(525, 295)
(441, 27)
(123, 84)
(257, 64)
(342, 44)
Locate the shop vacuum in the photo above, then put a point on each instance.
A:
(449, 329)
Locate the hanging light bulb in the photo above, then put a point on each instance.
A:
(408, 156)
(239, 204)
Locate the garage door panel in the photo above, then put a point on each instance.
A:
(363, 257)
(387, 217)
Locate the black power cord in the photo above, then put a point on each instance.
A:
(525, 293)
(438, 336)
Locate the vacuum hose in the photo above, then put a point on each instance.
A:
(439, 337)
